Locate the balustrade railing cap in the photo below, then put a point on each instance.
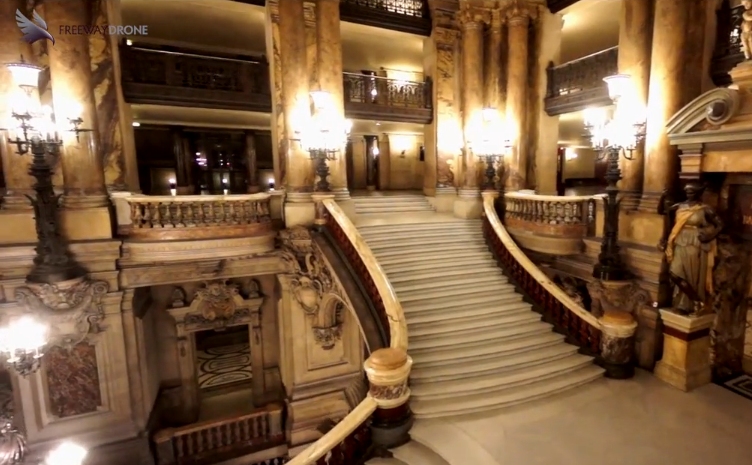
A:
(136, 198)
(388, 358)
(547, 198)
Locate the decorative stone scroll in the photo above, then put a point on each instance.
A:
(313, 286)
(218, 305)
(72, 309)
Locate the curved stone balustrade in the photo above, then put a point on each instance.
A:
(384, 414)
(558, 308)
(548, 223)
(165, 217)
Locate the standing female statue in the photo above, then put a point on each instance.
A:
(690, 248)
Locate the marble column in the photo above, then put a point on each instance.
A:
(372, 143)
(279, 142)
(493, 64)
(635, 34)
(114, 117)
(618, 344)
(250, 162)
(183, 163)
(15, 168)
(387, 370)
(666, 96)
(518, 22)
(329, 73)
(384, 162)
(73, 97)
(443, 136)
(472, 92)
(686, 350)
(296, 103)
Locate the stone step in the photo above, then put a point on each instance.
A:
(384, 461)
(401, 236)
(420, 287)
(422, 226)
(496, 365)
(420, 243)
(465, 264)
(450, 272)
(449, 298)
(505, 397)
(458, 325)
(415, 453)
(484, 350)
(437, 259)
(451, 442)
(396, 209)
(492, 383)
(454, 315)
(432, 249)
(478, 335)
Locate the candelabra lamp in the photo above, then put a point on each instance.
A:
(491, 145)
(614, 136)
(324, 140)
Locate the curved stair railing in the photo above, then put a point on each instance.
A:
(580, 326)
(349, 441)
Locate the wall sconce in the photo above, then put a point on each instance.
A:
(402, 154)
(570, 154)
(173, 187)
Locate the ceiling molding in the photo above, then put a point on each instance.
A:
(557, 5)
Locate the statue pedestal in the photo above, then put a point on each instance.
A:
(686, 350)
(618, 343)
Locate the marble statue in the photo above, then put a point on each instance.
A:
(690, 248)
(747, 29)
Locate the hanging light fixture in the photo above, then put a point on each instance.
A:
(491, 143)
(324, 138)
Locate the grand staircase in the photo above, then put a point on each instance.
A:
(475, 343)
(390, 203)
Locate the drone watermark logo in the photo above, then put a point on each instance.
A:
(36, 29)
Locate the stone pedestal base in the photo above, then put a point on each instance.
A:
(443, 199)
(617, 344)
(468, 204)
(390, 428)
(299, 209)
(686, 350)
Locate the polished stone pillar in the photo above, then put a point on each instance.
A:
(387, 370)
(686, 350)
(278, 131)
(371, 142)
(635, 34)
(183, 162)
(329, 62)
(297, 106)
(493, 64)
(518, 22)
(666, 96)
(250, 162)
(384, 162)
(18, 182)
(472, 92)
(73, 96)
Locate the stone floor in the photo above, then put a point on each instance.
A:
(607, 422)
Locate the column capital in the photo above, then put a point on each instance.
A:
(309, 13)
(445, 38)
(520, 12)
(473, 18)
(497, 19)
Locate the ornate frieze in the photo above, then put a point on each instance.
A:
(217, 305)
(520, 11)
(313, 286)
(472, 17)
(618, 296)
(72, 309)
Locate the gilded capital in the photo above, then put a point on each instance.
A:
(496, 20)
(473, 18)
(520, 12)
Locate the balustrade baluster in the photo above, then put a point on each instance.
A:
(179, 446)
(255, 426)
(156, 215)
(166, 214)
(210, 439)
(246, 429)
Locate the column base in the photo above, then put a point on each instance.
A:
(617, 344)
(76, 202)
(444, 198)
(630, 200)
(468, 204)
(686, 350)
(17, 201)
(649, 202)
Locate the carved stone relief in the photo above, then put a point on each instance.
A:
(313, 286)
(629, 297)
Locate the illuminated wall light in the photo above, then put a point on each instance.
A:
(173, 187)
(129, 42)
(136, 124)
(570, 154)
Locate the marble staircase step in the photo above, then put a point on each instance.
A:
(484, 401)
(457, 325)
(482, 383)
(438, 225)
(384, 461)
(433, 300)
(405, 262)
(446, 273)
(450, 316)
(423, 286)
(478, 335)
(379, 237)
(418, 243)
(407, 268)
(483, 350)
(415, 453)
(383, 210)
(431, 250)
(496, 365)
(450, 442)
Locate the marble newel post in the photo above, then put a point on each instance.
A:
(635, 35)
(73, 97)
(250, 162)
(468, 204)
(686, 350)
(618, 344)
(666, 97)
(296, 104)
(518, 22)
(15, 170)
(387, 370)
(329, 73)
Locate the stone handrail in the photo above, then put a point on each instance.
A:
(260, 428)
(563, 216)
(348, 434)
(169, 217)
(557, 306)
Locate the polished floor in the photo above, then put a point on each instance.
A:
(635, 422)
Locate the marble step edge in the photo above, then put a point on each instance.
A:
(477, 335)
(458, 327)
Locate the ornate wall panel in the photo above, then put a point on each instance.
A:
(73, 380)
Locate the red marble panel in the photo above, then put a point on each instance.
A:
(73, 380)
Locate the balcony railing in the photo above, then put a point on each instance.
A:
(164, 77)
(164, 217)
(410, 16)
(728, 45)
(216, 440)
(549, 224)
(160, 77)
(375, 97)
(579, 84)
